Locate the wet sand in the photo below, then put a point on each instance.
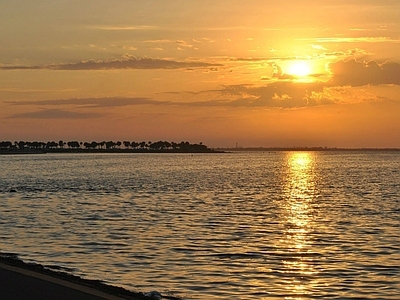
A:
(19, 280)
(16, 283)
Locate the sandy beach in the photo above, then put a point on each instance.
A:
(19, 280)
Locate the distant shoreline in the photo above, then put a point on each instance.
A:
(25, 147)
(109, 151)
(208, 150)
(283, 149)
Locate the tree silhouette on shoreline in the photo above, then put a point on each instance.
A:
(125, 146)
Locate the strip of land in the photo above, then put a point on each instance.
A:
(279, 149)
(19, 280)
(23, 147)
(17, 283)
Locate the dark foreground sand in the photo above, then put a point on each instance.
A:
(19, 280)
(16, 283)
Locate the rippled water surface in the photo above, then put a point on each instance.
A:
(273, 225)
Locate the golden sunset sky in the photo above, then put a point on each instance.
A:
(254, 72)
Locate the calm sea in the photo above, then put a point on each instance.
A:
(273, 225)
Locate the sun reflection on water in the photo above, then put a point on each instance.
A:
(300, 190)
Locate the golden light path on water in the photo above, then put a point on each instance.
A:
(249, 226)
(300, 192)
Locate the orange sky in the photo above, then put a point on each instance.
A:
(256, 73)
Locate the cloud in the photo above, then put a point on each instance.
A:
(126, 62)
(180, 44)
(183, 45)
(30, 91)
(288, 95)
(367, 39)
(264, 59)
(56, 114)
(357, 73)
(91, 102)
(318, 47)
(322, 54)
(130, 48)
(278, 94)
(125, 28)
(351, 52)
(278, 73)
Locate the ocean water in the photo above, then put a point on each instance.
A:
(265, 225)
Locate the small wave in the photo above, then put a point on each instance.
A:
(60, 268)
(20, 189)
(9, 255)
(9, 190)
(265, 255)
(237, 255)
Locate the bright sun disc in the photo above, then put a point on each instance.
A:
(299, 68)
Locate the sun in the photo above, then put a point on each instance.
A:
(299, 68)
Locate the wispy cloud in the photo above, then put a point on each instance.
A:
(322, 53)
(264, 59)
(57, 114)
(380, 39)
(181, 44)
(318, 47)
(126, 62)
(276, 94)
(191, 28)
(125, 28)
(349, 53)
(30, 91)
(162, 41)
(90, 102)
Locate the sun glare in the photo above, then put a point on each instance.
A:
(299, 68)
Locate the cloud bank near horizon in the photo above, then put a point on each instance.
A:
(126, 62)
(278, 96)
(56, 114)
(283, 93)
(350, 72)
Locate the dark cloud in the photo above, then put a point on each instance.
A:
(56, 114)
(278, 94)
(264, 59)
(126, 62)
(357, 73)
(282, 94)
(91, 102)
